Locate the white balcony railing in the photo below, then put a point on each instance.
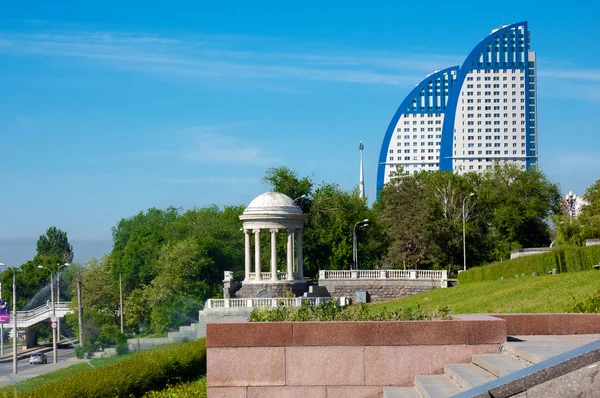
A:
(266, 276)
(216, 304)
(383, 274)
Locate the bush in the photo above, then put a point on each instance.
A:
(591, 304)
(195, 389)
(122, 349)
(330, 311)
(144, 371)
(79, 353)
(564, 259)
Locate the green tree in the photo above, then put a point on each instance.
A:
(285, 181)
(589, 218)
(405, 212)
(329, 228)
(137, 243)
(517, 205)
(54, 246)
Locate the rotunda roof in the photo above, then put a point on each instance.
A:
(274, 203)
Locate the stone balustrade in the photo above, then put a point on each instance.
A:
(216, 304)
(266, 276)
(383, 274)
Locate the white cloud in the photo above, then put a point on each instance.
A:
(216, 56)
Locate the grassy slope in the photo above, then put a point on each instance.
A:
(47, 377)
(551, 293)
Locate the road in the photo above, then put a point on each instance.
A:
(66, 358)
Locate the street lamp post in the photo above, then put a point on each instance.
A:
(464, 232)
(571, 200)
(54, 350)
(355, 243)
(15, 334)
(2, 324)
(58, 294)
(293, 236)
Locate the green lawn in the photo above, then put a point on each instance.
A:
(45, 378)
(550, 293)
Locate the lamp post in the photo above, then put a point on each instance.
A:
(464, 232)
(355, 244)
(15, 334)
(58, 294)
(54, 350)
(294, 235)
(571, 200)
(2, 324)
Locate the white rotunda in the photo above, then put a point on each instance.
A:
(273, 212)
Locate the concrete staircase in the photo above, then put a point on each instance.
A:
(194, 331)
(483, 368)
(317, 291)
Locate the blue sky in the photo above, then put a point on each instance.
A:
(107, 108)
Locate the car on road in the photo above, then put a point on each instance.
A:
(38, 357)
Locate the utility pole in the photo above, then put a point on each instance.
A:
(361, 181)
(54, 348)
(15, 333)
(58, 294)
(2, 326)
(121, 299)
(80, 310)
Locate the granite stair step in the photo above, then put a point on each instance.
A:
(537, 352)
(401, 392)
(436, 386)
(499, 364)
(467, 375)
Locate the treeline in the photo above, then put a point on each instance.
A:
(504, 209)
(170, 261)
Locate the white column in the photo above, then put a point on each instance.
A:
(273, 254)
(256, 254)
(299, 255)
(248, 254)
(290, 262)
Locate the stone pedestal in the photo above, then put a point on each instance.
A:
(281, 289)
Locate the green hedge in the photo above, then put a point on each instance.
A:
(569, 259)
(144, 371)
(194, 389)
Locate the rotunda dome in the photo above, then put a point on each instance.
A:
(272, 203)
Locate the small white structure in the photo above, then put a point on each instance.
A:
(273, 212)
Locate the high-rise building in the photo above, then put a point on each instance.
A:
(467, 118)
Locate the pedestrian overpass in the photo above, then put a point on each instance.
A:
(39, 314)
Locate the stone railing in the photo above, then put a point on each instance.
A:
(383, 274)
(264, 302)
(266, 276)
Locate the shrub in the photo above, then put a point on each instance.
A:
(195, 389)
(564, 259)
(122, 349)
(144, 371)
(330, 311)
(591, 304)
(79, 353)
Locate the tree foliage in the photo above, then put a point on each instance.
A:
(504, 209)
(54, 245)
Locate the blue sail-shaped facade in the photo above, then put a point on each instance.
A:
(487, 116)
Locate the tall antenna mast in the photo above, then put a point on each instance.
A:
(361, 184)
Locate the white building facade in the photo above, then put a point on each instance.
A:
(468, 118)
